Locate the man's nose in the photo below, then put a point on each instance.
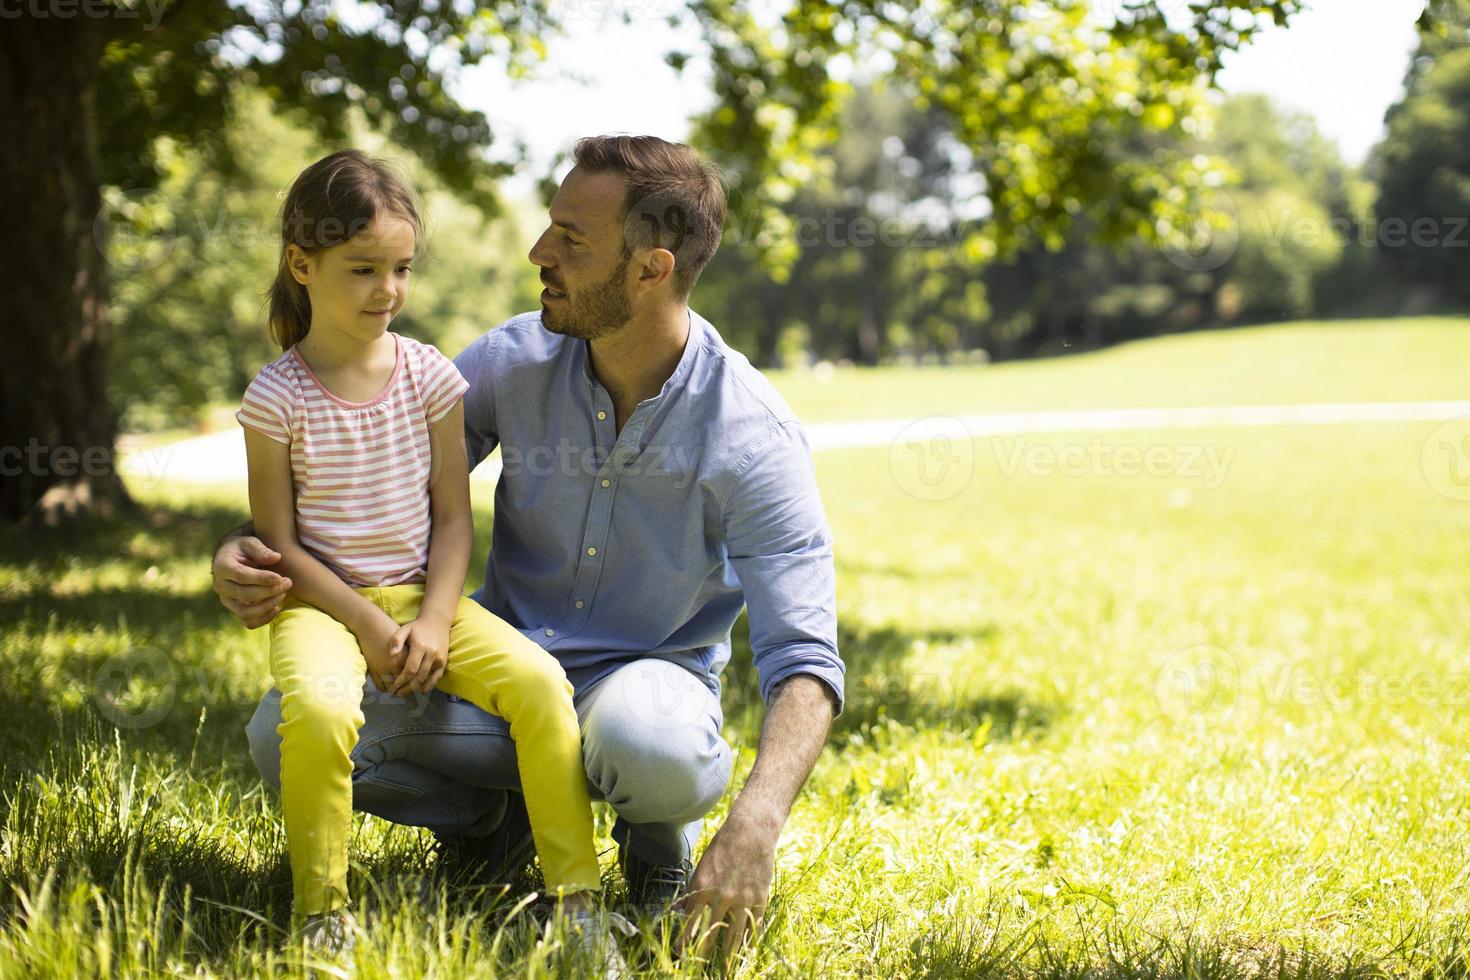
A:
(537, 255)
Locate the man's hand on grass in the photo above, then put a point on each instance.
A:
(729, 889)
(249, 590)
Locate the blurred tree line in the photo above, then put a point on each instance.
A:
(1030, 176)
(1285, 229)
(876, 246)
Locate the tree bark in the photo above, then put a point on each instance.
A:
(57, 430)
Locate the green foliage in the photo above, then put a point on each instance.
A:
(879, 267)
(1044, 97)
(1294, 202)
(1038, 92)
(1279, 208)
(1424, 162)
(1044, 106)
(1283, 202)
(388, 62)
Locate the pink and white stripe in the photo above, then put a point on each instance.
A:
(360, 469)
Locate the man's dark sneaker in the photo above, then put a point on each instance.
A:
(500, 857)
(653, 888)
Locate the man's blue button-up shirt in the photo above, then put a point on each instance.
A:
(614, 546)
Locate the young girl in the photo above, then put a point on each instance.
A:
(358, 478)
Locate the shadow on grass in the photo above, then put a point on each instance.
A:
(93, 804)
(147, 537)
(137, 661)
(102, 813)
(111, 608)
(881, 689)
(121, 642)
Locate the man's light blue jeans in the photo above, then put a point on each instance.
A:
(650, 742)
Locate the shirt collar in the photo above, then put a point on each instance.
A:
(692, 344)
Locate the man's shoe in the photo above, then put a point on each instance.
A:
(501, 857)
(653, 888)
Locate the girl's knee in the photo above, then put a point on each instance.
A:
(321, 714)
(540, 681)
(537, 677)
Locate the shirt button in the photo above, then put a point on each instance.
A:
(591, 551)
(601, 416)
(607, 483)
(551, 632)
(580, 603)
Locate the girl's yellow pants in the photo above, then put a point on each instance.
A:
(320, 673)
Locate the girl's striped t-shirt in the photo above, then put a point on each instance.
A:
(360, 470)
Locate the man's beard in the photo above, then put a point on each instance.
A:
(597, 312)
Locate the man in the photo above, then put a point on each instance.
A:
(652, 484)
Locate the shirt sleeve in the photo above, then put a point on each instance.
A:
(268, 406)
(440, 383)
(781, 549)
(481, 434)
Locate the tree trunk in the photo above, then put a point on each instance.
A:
(57, 431)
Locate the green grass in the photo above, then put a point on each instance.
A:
(1362, 360)
(1024, 782)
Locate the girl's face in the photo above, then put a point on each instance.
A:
(358, 287)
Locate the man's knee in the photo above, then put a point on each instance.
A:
(654, 780)
(652, 745)
(265, 741)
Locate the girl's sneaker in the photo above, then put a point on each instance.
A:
(592, 939)
(331, 935)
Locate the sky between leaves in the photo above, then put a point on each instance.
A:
(1342, 61)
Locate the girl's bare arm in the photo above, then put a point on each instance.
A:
(452, 536)
(273, 512)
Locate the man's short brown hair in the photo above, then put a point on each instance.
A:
(674, 199)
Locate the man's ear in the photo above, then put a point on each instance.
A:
(299, 263)
(655, 267)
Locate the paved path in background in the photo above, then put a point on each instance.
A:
(220, 458)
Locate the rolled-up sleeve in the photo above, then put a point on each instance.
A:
(781, 549)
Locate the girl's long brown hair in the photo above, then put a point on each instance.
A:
(332, 201)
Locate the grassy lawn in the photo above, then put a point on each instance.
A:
(1298, 363)
(1193, 723)
(1362, 360)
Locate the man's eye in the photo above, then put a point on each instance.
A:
(363, 271)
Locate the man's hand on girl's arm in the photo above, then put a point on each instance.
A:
(246, 587)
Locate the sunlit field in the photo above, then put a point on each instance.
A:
(1358, 360)
(1207, 719)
